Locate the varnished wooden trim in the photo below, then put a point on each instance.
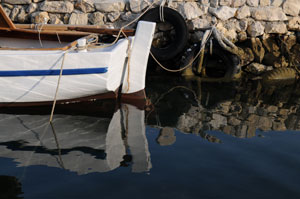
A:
(75, 29)
(6, 22)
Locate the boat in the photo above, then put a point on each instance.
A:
(43, 63)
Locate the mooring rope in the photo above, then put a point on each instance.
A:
(39, 32)
(58, 84)
(161, 10)
(190, 63)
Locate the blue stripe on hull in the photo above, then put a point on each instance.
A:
(81, 71)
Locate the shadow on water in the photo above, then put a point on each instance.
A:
(187, 144)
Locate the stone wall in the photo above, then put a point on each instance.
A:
(237, 19)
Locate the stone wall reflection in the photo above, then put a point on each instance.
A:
(238, 109)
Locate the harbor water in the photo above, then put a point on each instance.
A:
(197, 139)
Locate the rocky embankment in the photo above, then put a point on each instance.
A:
(266, 29)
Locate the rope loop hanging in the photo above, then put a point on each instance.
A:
(161, 10)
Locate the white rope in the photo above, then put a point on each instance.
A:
(39, 32)
(202, 46)
(161, 10)
(58, 84)
(40, 29)
(58, 37)
(211, 47)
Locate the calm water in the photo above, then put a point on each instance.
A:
(197, 140)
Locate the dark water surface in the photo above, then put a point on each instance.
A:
(197, 140)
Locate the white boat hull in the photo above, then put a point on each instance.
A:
(33, 75)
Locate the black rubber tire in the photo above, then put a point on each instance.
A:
(181, 37)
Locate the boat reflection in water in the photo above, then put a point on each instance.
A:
(82, 144)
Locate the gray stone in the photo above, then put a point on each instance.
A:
(190, 10)
(251, 131)
(283, 112)
(85, 6)
(242, 36)
(255, 29)
(113, 16)
(17, 1)
(128, 16)
(200, 24)
(228, 30)
(78, 19)
(57, 6)
(278, 126)
(238, 3)
(265, 2)
(268, 13)
(137, 6)
(110, 7)
(224, 12)
(204, 9)
(294, 24)
(272, 109)
(214, 3)
(224, 107)
(253, 3)
(97, 18)
(225, 2)
(14, 13)
(242, 25)
(229, 130)
(256, 68)
(265, 123)
(243, 12)
(291, 7)
(218, 121)
(40, 17)
(7, 5)
(7, 11)
(234, 121)
(275, 27)
(277, 3)
(204, 2)
(22, 16)
(166, 136)
(54, 19)
(241, 131)
(32, 8)
(252, 118)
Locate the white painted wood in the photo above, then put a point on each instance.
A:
(42, 88)
(135, 74)
(29, 43)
